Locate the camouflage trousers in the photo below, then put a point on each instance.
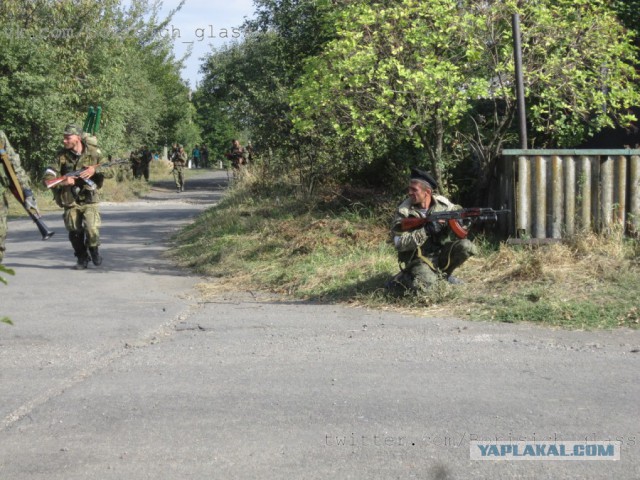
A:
(178, 176)
(4, 211)
(419, 276)
(84, 219)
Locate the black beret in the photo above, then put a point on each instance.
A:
(417, 174)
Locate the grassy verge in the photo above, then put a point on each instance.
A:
(334, 248)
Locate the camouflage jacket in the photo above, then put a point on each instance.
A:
(14, 159)
(136, 157)
(407, 243)
(236, 155)
(179, 158)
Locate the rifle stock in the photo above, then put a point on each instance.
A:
(18, 193)
(37, 219)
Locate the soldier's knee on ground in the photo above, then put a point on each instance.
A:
(469, 247)
(423, 277)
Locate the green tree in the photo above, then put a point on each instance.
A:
(627, 11)
(247, 85)
(397, 69)
(58, 58)
(440, 75)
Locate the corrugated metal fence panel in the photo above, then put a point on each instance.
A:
(561, 192)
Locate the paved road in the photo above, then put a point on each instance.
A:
(141, 378)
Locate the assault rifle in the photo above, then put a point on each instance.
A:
(76, 173)
(27, 202)
(454, 218)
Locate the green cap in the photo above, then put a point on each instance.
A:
(72, 129)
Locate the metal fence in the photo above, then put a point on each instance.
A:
(554, 193)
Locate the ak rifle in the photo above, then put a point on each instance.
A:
(455, 219)
(52, 182)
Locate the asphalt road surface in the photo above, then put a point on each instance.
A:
(125, 372)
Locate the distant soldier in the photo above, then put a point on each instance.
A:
(136, 163)
(9, 155)
(236, 154)
(204, 152)
(179, 160)
(78, 195)
(147, 157)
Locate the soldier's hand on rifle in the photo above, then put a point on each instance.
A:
(30, 200)
(433, 228)
(88, 172)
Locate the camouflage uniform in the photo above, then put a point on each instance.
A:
(179, 159)
(147, 157)
(237, 156)
(80, 201)
(136, 163)
(425, 258)
(14, 158)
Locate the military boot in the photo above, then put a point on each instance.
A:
(82, 264)
(79, 250)
(96, 258)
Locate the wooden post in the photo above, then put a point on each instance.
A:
(606, 193)
(556, 196)
(523, 202)
(584, 187)
(620, 191)
(569, 195)
(634, 193)
(540, 198)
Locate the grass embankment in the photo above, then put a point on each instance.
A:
(334, 247)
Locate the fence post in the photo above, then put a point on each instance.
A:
(569, 195)
(584, 188)
(540, 196)
(606, 197)
(556, 196)
(620, 189)
(523, 203)
(634, 193)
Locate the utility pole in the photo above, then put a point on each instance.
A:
(517, 53)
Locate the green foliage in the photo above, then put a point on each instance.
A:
(627, 11)
(246, 86)
(580, 70)
(188, 133)
(396, 70)
(440, 74)
(57, 58)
